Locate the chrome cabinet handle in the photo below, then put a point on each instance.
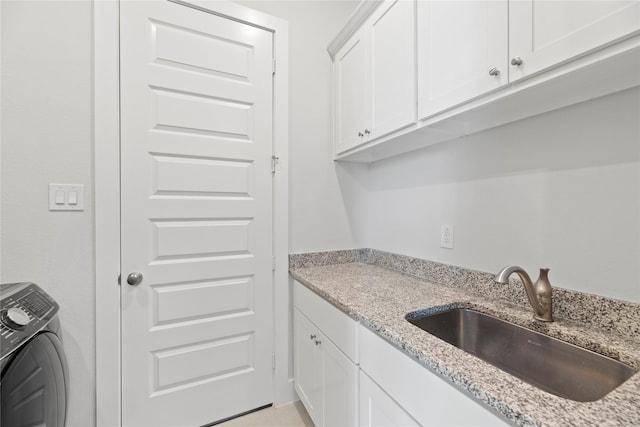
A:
(517, 61)
(360, 134)
(318, 342)
(367, 132)
(134, 279)
(494, 71)
(312, 337)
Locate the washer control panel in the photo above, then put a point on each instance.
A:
(15, 318)
(25, 309)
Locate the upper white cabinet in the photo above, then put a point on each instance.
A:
(465, 66)
(468, 48)
(352, 94)
(544, 33)
(375, 76)
(392, 67)
(462, 51)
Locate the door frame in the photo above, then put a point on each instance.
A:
(106, 86)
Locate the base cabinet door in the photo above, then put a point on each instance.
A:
(326, 380)
(378, 409)
(340, 381)
(428, 398)
(308, 363)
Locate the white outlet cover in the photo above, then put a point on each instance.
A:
(446, 236)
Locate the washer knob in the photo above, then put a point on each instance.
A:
(15, 318)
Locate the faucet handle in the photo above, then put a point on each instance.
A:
(543, 286)
(543, 292)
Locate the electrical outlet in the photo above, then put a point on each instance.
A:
(446, 236)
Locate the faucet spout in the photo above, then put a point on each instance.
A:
(539, 295)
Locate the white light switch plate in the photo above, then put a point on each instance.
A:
(59, 199)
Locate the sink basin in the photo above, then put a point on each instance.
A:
(552, 365)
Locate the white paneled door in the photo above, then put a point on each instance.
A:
(196, 146)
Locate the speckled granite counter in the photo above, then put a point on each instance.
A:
(380, 297)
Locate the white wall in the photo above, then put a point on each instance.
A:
(560, 190)
(326, 199)
(47, 138)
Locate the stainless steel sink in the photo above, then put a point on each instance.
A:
(552, 365)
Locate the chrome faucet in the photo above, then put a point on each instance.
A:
(539, 294)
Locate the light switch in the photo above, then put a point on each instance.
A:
(59, 197)
(66, 197)
(72, 198)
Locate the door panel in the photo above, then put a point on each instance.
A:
(230, 60)
(185, 174)
(196, 145)
(174, 303)
(200, 112)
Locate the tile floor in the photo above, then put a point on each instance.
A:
(291, 415)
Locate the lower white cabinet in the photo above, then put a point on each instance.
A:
(427, 398)
(308, 366)
(378, 409)
(326, 380)
(346, 375)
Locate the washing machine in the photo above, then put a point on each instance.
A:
(34, 382)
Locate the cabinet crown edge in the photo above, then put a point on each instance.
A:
(364, 9)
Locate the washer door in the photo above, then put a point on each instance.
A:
(33, 386)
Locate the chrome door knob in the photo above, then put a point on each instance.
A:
(517, 61)
(134, 279)
(494, 71)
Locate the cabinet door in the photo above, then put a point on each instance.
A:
(352, 95)
(308, 366)
(462, 51)
(430, 399)
(544, 33)
(377, 409)
(392, 67)
(340, 387)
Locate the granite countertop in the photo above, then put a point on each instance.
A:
(379, 298)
